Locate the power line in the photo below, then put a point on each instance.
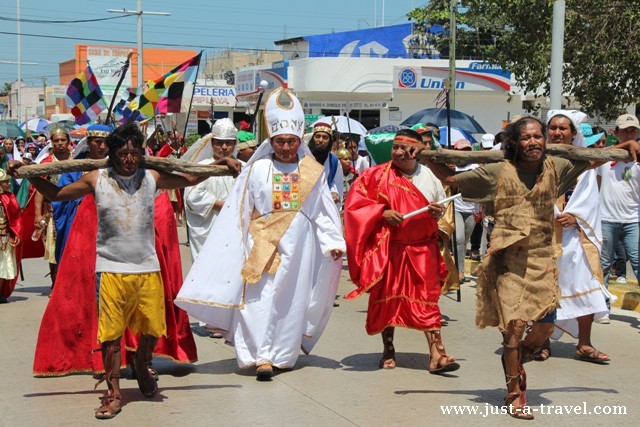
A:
(42, 21)
(127, 42)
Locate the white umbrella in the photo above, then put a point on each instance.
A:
(343, 124)
(35, 125)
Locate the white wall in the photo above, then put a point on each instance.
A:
(371, 79)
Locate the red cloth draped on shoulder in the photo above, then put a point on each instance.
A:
(166, 151)
(400, 267)
(67, 341)
(30, 248)
(12, 211)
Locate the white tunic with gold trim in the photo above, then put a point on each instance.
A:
(199, 211)
(285, 306)
(580, 278)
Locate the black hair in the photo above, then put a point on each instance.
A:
(501, 137)
(598, 129)
(411, 134)
(321, 154)
(512, 132)
(121, 136)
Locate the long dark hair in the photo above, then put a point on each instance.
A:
(321, 154)
(122, 135)
(512, 132)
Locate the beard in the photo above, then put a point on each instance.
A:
(320, 153)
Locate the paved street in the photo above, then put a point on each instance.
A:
(338, 385)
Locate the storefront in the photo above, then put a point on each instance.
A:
(382, 91)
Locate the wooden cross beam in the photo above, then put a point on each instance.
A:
(155, 163)
(459, 157)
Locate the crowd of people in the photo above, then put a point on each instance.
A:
(270, 233)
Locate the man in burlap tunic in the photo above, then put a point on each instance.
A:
(517, 281)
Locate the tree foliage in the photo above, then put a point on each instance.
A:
(601, 45)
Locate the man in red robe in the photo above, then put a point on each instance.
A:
(397, 260)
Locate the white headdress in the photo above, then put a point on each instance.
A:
(576, 118)
(283, 114)
(224, 129)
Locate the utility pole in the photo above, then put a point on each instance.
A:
(557, 49)
(453, 7)
(19, 100)
(139, 12)
(44, 98)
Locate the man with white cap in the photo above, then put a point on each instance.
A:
(577, 228)
(268, 273)
(487, 140)
(204, 201)
(619, 199)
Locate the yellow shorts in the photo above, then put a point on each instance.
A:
(134, 301)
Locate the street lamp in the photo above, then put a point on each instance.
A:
(139, 12)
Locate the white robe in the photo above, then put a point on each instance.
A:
(198, 207)
(582, 292)
(271, 320)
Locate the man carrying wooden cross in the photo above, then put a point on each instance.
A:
(517, 286)
(131, 290)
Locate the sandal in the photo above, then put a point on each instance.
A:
(542, 354)
(388, 360)
(592, 356)
(521, 412)
(264, 372)
(110, 408)
(449, 364)
(145, 378)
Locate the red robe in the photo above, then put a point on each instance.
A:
(67, 341)
(168, 151)
(400, 267)
(30, 249)
(14, 222)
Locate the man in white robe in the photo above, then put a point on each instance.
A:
(579, 232)
(268, 274)
(203, 201)
(320, 145)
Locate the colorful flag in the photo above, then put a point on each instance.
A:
(85, 98)
(166, 93)
(126, 96)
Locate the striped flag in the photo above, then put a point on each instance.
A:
(166, 93)
(84, 97)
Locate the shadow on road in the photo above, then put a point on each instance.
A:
(367, 362)
(632, 321)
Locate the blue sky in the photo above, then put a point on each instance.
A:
(193, 24)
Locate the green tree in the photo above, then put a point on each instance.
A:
(4, 91)
(471, 38)
(601, 46)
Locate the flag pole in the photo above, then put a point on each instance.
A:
(125, 68)
(193, 91)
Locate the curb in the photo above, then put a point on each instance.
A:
(627, 300)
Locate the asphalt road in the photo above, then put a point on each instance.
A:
(338, 385)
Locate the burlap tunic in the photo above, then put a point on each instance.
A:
(518, 277)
